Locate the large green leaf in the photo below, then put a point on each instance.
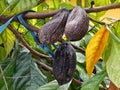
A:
(14, 6)
(22, 74)
(111, 55)
(7, 43)
(113, 62)
(94, 82)
(53, 85)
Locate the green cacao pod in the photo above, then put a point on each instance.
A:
(77, 24)
(53, 30)
(64, 63)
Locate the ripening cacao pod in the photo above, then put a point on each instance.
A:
(77, 24)
(64, 63)
(53, 30)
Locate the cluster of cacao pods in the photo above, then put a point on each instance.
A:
(64, 63)
(74, 24)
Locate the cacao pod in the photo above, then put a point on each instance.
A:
(53, 30)
(64, 63)
(77, 24)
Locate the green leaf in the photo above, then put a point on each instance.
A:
(34, 78)
(101, 2)
(2, 5)
(65, 86)
(80, 57)
(3, 55)
(113, 63)
(53, 85)
(84, 41)
(98, 15)
(79, 2)
(94, 82)
(82, 71)
(54, 4)
(116, 29)
(15, 6)
(115, 1)
(87, 3)
(111, 56)
(7, 39)
(22, 74)
(65, 5)
(112, 1)
(7, 73)
(23, 5)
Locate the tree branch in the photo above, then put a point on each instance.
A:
(26, 44)
(102, 23)
(44, 66)
(102, 8)
(39, 15)
(79, 49)
(77, 82)
(48, 68)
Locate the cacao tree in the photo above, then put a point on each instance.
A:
(59, 45)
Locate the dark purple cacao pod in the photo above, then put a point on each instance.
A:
(64, 63)
(53, 30)
(77, 24)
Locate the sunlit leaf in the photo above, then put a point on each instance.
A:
(94, 82)
(116, 29)
(101, 2)
(2, 5)
(8, 39)
(65, 5)
(95, 48)
(15, 6)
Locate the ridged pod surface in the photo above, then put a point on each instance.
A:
(77, 24)
(53, 30)
(64, 63)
